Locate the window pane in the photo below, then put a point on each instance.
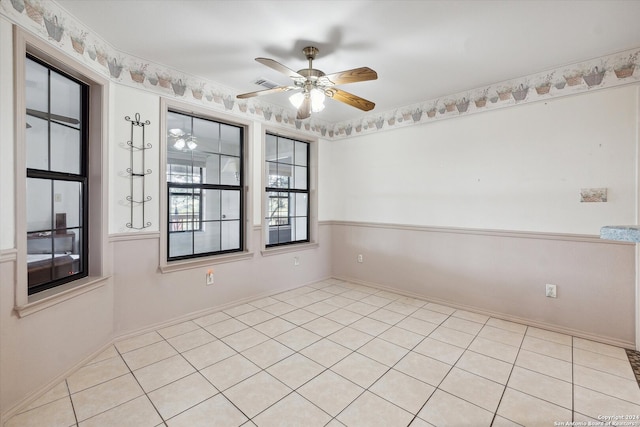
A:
(271, 148)
(285, 150)
(230, 204)
(65, 149)
(37, 90)
(300, 180)
(231, 139)
(211, 205)
(207, 136)
(230, 235)
(300, 153)
(180, 244)
(68, 203)
(208, 239)
(230, 174)
(37, 136)
(65, 100)
(38, 196)
(300, 228)
(284, 177)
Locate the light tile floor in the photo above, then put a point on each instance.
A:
(340, 354)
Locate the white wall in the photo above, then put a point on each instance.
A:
(519, 168)
(6, 137)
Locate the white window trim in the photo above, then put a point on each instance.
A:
(99, 270)
(186, 264)
(313, 194)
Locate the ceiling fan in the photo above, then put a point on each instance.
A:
(316, 85)
(50, 116)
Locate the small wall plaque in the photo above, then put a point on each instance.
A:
(591, 195)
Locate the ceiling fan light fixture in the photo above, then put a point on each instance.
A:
(191, 143)
(317, 100)
(296, 99)
(179, 144)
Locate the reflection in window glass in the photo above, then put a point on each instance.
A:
(204, 184)
(287, 190)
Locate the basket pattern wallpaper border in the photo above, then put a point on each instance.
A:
(49, 21)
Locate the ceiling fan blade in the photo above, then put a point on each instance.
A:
(350, 99)
(266, 91)
(361, 74)
(49, 116)
(305, 109)
(279, 67)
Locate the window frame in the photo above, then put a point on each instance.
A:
(97, 257)
(81, 177)
(204, 260)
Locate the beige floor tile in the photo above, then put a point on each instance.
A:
(214, 412)
(105, 396)
(138, 412)
(485, 366)
(541, 386)
(283, 296)
(256, 393)
(330, 392)
(595, 404)
(319, 295)
(451, 336)
(462, 325)
(439, 350)
(106, 354)
(226, 327)
(609, 384)
(321, 308)
(499, 421)
(181, 395)
(335, 289)
(58, 413)
(212, 318)
(344, 317)
(274, 327)
(411, 301)
(506, 325)
(403, 390)
(361, 308)
(555, 337)
(263, 302)
(301, 301)
(530, 411)
(383, 351)
(295, 370)
(440, 308)
(473, 388)
(239, 310)
(370, 410)
(293, 410)
(254, 317)
(501, 335)
(402, 308)
(426, 369)
(504, 352)
(247, 338)
(401, 337)
(339, 301)
(297, 339)
(137, 342)
(96, 373)
(191, 340)
(545, 365)
(208, 354)
(468, 315)
(267, 353)
(326, 352)
(600, 362)
(179, 329)
(159, 374)
(392, 296)
(323, 326)
(356, 295)
(443, 409)
(548, 348)
(387, 316)
(604, 349)
(417, 326)
(230, 371)
(360, 369)
(299, 317)
(419, 422)
(144, 356)
(56, 393)
(350, 338)
(376, 300)
(430, 316)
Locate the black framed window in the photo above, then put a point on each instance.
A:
(56, 162)
(205, 195)
(287, 190)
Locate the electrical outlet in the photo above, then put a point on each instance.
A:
(296, 261)
(550, 291)
(210, 277)
(360, 258)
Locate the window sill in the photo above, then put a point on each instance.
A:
(289, 248)
(204, 262)
(51, 297)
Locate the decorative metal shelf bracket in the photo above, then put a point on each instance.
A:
(137, 172)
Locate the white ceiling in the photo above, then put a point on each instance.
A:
(422, 50)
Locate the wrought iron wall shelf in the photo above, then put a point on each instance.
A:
(137, 172)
